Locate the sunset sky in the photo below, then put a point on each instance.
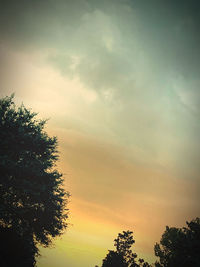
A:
(119, 81)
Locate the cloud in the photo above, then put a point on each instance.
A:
(113, 41)
(125, 57)
(111, 190)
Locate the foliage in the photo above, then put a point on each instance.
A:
(123, 256)
(180, 246)
(114, 259)
(32, 199)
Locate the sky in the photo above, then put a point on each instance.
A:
(119, 81)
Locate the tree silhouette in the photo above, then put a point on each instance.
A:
(123, 256)
(114, 259)
(180, 246)
(32, 199)
(15, 250)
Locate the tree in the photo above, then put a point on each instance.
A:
(123, 256)
(32, 198)
(114, 259)
(180, 246)
(15, 250)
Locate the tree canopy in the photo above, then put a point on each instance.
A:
(123, 256)
(32, 198)
(180, 246)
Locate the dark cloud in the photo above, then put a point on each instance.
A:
(141, 57)
(38, 22)
(172, 28)
(165, 30)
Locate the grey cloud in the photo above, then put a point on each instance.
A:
(164, 31)
(132, 51)
(32, 23)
